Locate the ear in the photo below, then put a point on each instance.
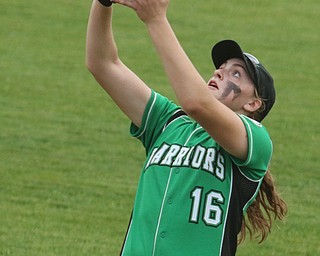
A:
(253, 105)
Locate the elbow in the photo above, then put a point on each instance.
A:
(193, 107)
(99, 67)
(198, 105)
(92, 64)
(89, 65)
(97, 70)
(101, 62)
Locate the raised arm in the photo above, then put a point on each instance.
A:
(129, 92)
(191, 90)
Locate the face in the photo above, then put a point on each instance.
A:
(232, 85)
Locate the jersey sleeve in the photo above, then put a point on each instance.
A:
(158, 111)
(260, 149)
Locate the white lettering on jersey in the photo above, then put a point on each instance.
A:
(209, 161)
(157, 154)
(220, 167)
(179, 158)
(196, 157)
(173, 151)
(187, 160)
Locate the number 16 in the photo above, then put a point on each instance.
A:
(212, 212)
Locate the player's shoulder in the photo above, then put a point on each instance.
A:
(248, 119)
(254, 124)
(260, 144)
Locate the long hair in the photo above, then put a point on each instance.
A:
(267, 207)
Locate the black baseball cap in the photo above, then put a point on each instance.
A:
(228, 49)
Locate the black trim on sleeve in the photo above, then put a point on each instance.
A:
(177, 114)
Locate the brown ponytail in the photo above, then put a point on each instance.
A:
(259, 214)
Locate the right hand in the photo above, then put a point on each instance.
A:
(147, 10)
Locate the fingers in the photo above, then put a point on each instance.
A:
(147, 10)
(129, 3)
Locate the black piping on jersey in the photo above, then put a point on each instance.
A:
(127, 232)
(176, 115)
(242, 192)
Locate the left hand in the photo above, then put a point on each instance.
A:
(147, 10)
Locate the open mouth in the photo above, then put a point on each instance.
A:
(213, 84)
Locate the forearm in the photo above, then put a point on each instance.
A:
(127, 90)
(184, 78)
(100, 45)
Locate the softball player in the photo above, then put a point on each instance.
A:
(207, 159)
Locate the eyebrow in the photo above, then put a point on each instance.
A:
(240, 65)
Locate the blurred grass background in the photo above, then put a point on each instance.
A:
(68, 167)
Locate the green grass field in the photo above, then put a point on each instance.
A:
(68, 168)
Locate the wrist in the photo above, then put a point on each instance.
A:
(106, 3)
(156, 22)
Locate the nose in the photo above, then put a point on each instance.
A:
(218, 74)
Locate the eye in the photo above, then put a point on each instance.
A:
(236, 74)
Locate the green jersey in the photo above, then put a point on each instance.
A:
(192, 194)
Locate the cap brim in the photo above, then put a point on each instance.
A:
(224, 50)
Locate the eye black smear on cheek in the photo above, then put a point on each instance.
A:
(231, 87)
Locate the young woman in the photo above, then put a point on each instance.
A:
(207, 159)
